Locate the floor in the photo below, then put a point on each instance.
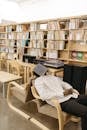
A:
(10, 120)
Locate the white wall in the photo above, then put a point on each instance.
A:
(44, 9)
(10, 11)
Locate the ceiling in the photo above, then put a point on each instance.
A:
(22, 1)
(19, 1)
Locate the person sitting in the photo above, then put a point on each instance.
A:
(71, 101)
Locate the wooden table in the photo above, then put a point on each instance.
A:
(53, 71)
(6, 77)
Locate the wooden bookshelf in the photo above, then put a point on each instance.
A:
(3, 39)
(63, 38)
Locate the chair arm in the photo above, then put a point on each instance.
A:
(56, 103)
(34, 93)
(16, 85)
(59, 110)
(29, 83)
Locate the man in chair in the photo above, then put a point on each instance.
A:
(71, 101)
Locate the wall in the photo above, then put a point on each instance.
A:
(44, 9)
(10, 11)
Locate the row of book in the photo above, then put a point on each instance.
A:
(17, 28)
(72, 24)
(24, 35)
(2, 41)
(2, 35)
(51, 25)
(78, 35)
(40, 53)
(50, 35)
(78, 23)
(2, 29)
(38, 35)
(8, 50)
(17, 43)
(57, 25)
(57, 45)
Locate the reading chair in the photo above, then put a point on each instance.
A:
(3, 60)
(21, 91)
(15, 68)
(56, 111)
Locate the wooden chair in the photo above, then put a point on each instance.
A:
(3, 61)
(15, 68)
(55, 112)
(21, 91)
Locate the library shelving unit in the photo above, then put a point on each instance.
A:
(17, 36)
(49, 39)
(64, 39)
(78, 40)
(3, 39)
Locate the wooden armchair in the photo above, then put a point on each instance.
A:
(21, 91)
(3, 61)
(15, 68)
(55, 112)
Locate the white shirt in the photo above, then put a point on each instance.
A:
(49, 86)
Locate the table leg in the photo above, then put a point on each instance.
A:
(3, 90)
(25, 74)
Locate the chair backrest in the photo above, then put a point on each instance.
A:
(30, 71)
(27, 85)
(14, 67)
(23, 91)
(4, 58)
(3, 55)
(35, 93)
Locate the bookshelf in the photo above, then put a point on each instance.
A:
(17, 37)
(78, 40)
(64, 39)
(3, 38)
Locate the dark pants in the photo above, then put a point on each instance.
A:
(77, 107)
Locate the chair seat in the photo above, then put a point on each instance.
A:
(20, 94)
(51, 111)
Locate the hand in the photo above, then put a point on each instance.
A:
(68, 91)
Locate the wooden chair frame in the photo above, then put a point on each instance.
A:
(20, 92)
(3, 61)
(57, 107)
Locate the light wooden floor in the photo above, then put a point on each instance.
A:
(9, 120)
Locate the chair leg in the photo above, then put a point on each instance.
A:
(61, 124)
(39, 124)
(14, 108)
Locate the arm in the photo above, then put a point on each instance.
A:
(75, 91)
(68, 91)
(67, 88)
(66, 85)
